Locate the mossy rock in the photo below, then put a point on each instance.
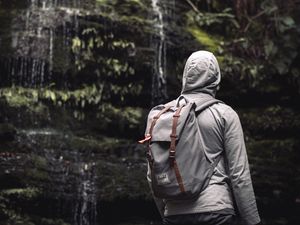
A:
(274, 167)
(209, 41)
(123, 178)
(270, 121)
(7, 132)
(21, 193)
(273, 149)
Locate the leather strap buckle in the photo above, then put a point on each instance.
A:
(172, 154)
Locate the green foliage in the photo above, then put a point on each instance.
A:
(123, 178)
(212, 43)
(37, 175)
(109, 59)
(278, 150)
(204, 38)
(80, 98)
(129, 115)
(247, 72)
(273, 118)
(99, 145)
(256, 46)
(91, 42)
(25, 193)
(20, 96)
(226, 16)
(276, 34)
(123, 7)
(113, 63)
(12, 214)
(47, 221)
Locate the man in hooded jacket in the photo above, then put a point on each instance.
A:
(230, 190)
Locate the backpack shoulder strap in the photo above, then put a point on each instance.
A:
(171, 103)
(205, 103)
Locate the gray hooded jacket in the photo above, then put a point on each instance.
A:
(231, 183)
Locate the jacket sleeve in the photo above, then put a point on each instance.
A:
(159, 202)
(238, 169)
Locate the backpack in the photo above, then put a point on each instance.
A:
(177, 161)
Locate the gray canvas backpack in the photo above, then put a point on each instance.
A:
(179, 167)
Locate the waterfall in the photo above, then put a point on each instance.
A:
(86, 204)
(41, 39)
(35, 36)
(31, 39)
(72, 173)
(159, 89)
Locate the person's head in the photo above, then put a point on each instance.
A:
(201, 74)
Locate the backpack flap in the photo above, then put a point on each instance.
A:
(162, 129)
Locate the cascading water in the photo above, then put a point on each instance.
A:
(159, 89)
(35, 36)
(57, 164)
(86, 205)
(45, 27)
(72, 174)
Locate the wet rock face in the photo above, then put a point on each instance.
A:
(55, 163)
(77, 84)
(7, 132)
(74, 174)
(77, 80)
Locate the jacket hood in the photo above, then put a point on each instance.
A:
(201, 74)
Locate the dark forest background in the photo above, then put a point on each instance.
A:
(78, 77)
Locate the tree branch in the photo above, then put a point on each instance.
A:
(193, 6)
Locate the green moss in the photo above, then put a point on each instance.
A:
(204, 38)
(117, 9)
(104, 1)
(25, 193)
(46, 221)
(15, 100)
(32, 98)
(14, 217)
(269, 88)
(7, 130)
(37, 174)
(131, 115)
(271, 119)
(273, 148)
(39, 162)
(109, 143)
(99, 144)
(123, 178)
(211, 42)
(62, 60)
(136, 1)
(134, 20)
(17, 97)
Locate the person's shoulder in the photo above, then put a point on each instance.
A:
(225, 110)
(222, 107)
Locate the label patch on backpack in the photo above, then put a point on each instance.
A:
(162, 179)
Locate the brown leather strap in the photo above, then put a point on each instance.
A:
(174, 135)
(172, 152)
(178, 177)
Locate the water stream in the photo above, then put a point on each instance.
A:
(39, 35)
(159, 88)
(86, 204)
(71, 173)
(41, 41)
